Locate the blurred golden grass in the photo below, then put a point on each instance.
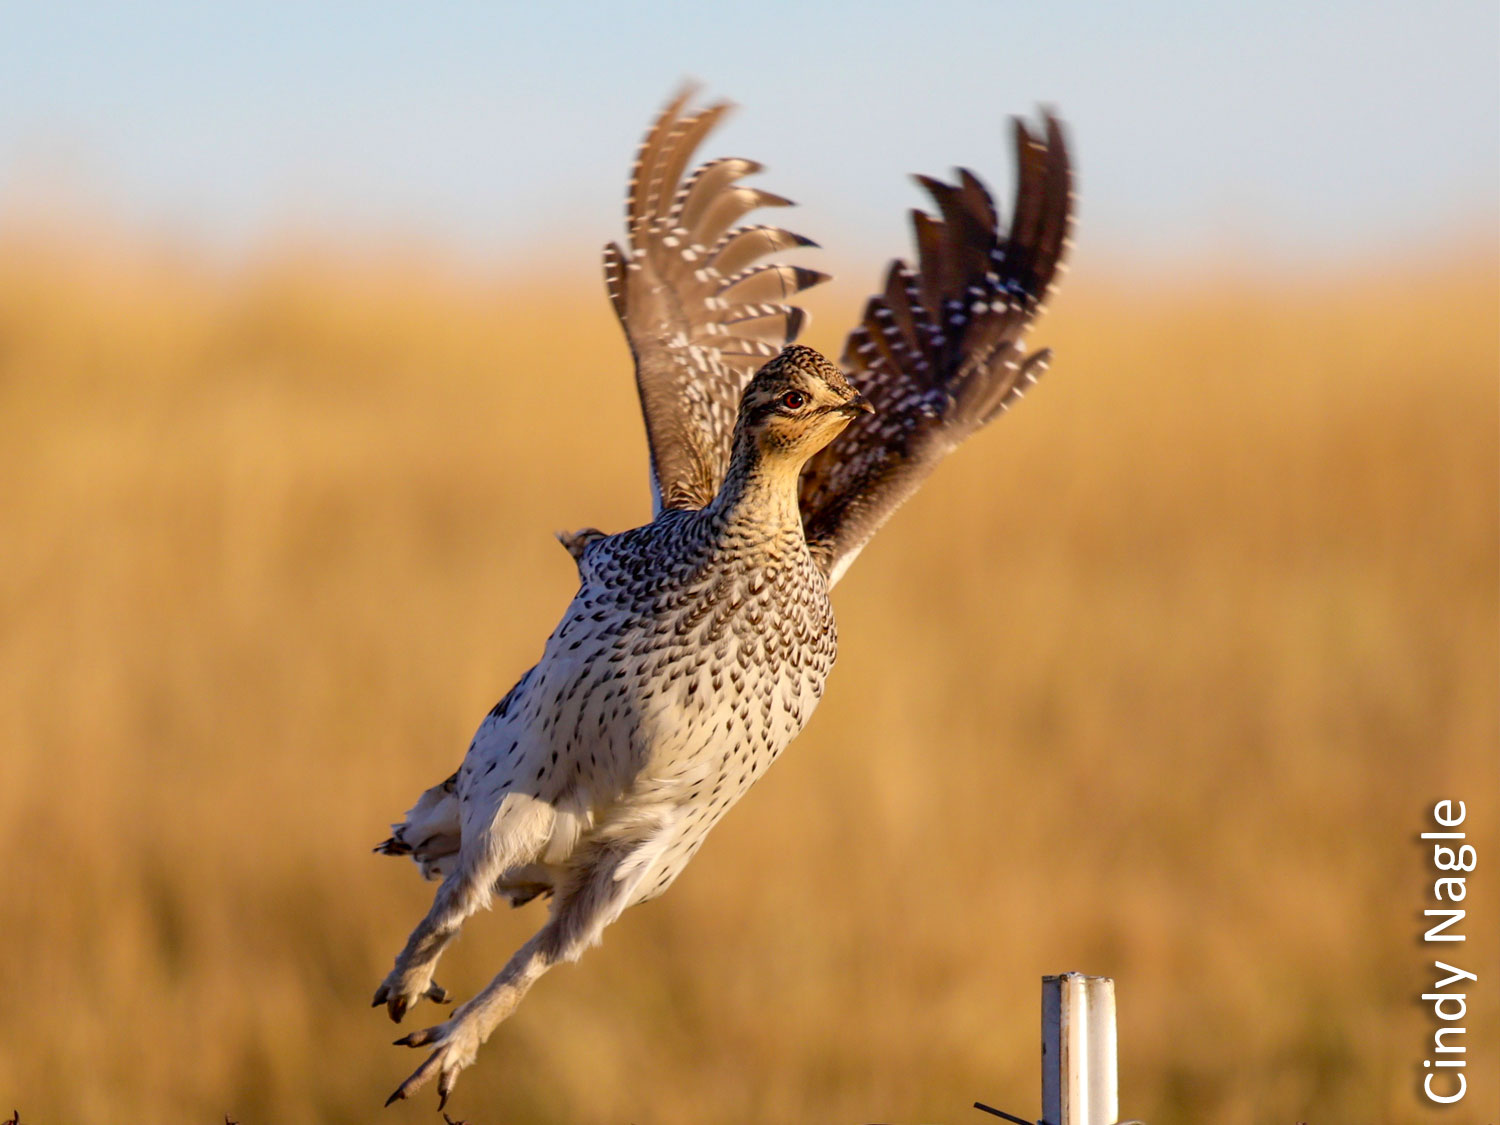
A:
(1158, 678)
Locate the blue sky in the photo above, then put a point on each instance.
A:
(1304, 132)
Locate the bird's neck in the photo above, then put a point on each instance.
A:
(759, 493)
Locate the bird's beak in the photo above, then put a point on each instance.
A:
(859, 404)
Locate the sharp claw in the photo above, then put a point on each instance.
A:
(399, 1095)
(437, 994)
(442, 1097)
(398, 1009)
(380, 994)
(421, 1076)
(418, 1038)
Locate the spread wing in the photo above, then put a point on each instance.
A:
(939, 352)
(700, 314)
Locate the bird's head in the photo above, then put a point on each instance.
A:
(797, 404)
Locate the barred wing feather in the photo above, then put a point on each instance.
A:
(699, 312)
(940, 351)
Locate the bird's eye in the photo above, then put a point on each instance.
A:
(794, 400)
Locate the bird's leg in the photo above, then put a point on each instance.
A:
(592, 897)
(513, 832)
(458, 1039)
(411, 978)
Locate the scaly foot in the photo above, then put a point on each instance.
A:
(401, 990)
(457, 1043)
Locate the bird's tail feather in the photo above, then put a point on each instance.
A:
(431, 835)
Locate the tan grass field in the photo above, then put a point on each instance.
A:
(1158, 678)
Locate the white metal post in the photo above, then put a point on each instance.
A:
(1080, 1076)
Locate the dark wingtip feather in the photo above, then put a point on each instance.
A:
(797, 319)
(773, 283)
(977, 199)
(933, 186)
(808, 278)
(741, 247)
(1023, 137)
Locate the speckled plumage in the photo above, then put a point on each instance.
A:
(694, 651)
(698, 645)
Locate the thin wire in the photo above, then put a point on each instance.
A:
(1001, 1113)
